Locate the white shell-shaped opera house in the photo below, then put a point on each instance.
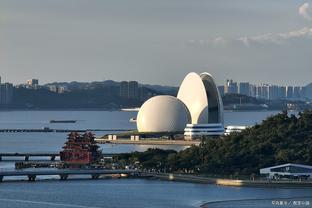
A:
(196, 111)
(163, 114)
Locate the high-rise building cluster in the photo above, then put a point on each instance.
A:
(6, 93)
(230, 87)
(263, 91)
(33, 82)
(30, 84)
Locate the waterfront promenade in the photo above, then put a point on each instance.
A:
(229, 182)
(149, 142)
(98, 173)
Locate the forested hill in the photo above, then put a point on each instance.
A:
(277, 140)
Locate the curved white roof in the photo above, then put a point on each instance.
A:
(198, 103)
(192, 93)
(163, 114)
(215, 104)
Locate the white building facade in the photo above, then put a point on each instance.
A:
(196, 111)
(289, 170)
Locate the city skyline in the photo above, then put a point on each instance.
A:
(135, 90)
(156, 43)
(220, 83)
(36, 81)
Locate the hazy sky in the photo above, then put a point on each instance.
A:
(157, 42)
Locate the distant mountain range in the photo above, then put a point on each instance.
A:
(168, 90)
(106, 95)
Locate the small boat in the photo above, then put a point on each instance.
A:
(133, 120)
(63, 121)
(130, 109)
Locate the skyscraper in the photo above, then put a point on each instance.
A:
(290, 92)
(252, 90)
(230, 87)
(33, 82)
(264, 91)
(282, 92)
(297, 92)
(6, 93)
(273, 92)
(244, 88)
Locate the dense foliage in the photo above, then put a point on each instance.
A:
(279, 139)
(152, 159)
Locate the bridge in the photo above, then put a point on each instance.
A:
(47, 130)
(27, 156)
(64, 173)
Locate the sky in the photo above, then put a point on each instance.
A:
(156, 42)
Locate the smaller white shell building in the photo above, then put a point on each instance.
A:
(163, 114)
(197, 110)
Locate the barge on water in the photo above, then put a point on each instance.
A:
(63, 121)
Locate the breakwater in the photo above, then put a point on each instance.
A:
(48, 130)
(149, 142)
(230, 182)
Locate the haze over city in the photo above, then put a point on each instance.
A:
(164, 103)
(156, 42)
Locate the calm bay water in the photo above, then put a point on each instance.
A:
(131, 193)
(119, 192)
(51, 142)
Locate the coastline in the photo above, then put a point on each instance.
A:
(232, 182)
(149, 142)
(111, 109)
(60, 109)
(188, 179)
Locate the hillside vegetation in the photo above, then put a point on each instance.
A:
(277, 140)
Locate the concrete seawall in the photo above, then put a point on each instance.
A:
(232, 182)
(149, 142)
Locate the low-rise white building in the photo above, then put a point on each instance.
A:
(288, 170)
(230, 129)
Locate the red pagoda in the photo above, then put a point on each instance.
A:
(80, 150)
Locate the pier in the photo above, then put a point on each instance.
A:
(48, 130)
(27, 156)
(64, 173)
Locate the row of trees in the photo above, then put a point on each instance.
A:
(277, 140)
